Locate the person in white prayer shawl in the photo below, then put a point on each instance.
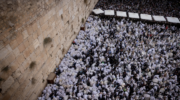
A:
(99, 66)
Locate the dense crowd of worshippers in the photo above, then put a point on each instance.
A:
(119, 60)
(167, 8)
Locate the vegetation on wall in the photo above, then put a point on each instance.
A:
(1, 79)
(86, 1)
(47, 40)
(63, 50)
(62, 17)
(43, 81)
(82, 20)
(5, 69)
(32, 65)
(33, 81)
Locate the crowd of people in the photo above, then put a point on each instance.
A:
(118, 59)
(121, 59)
(167, 8)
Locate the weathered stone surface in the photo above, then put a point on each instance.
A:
(20, 59)
(3, 53)
(10, 57)
(24, 29)
(16, 74)
(21, 47)
(7, 84)
(16, 52)
(1, 44)
(13, 88)
(25, 34)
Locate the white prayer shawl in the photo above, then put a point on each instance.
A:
(54, 98)
(152, 98)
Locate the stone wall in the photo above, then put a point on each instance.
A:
(24, 24)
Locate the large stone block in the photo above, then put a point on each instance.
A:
(13, 88)
(6, 97)
(43, 19)
(51, 12)
(20, 39)
(39, 32)
(32, 56)
(14, 66)
(43, 56)
(30, 30)
(30, 39)
(37, 51)
(35, 35)
(7, 84)
(21, 47)
(10, 57)
(18, 93)
(25, 76)
(17, 73)
(29, 89)
(13, 44)
(35, 26)
(1, 44)
(26, 43)
(60, 12)
(33, 96)
(52, 19)
(16, 52)
(40, 38)
(9, 48)
(25, 34)
(3, 53)
(31, 47)
(27, 52)
(44, 26)
(38, 58)
(20, 58)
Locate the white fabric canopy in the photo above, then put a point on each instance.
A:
(133, 15)
(121, 13)
(109, 12)
(146, 17)
(173, 19)
(98, 11)
(159, 18)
